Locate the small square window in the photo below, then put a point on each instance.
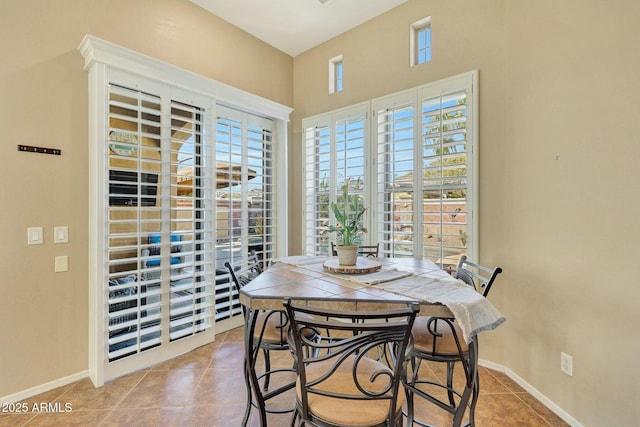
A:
(335, 74)
(421, 41)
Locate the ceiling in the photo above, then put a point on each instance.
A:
(294, 26)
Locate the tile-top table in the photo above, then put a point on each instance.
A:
(304, 279)
(400, 281)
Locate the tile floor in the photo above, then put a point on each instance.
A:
(206, 388)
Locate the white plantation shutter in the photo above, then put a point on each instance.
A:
(179, 205)
(159, 233)
(260, 187)
(134, 212)
(191, 236)
(395, 129)
(316, 197)
(153, 255)
(445, 175)
(244, 199)
(228, 214)
(421, 161)
(335, 153)
(424, 171)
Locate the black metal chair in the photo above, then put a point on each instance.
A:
(439, 339)
(369, 250)
(253, 263)
(338, 382)
(267, 331)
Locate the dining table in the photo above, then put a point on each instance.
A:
(373, 284)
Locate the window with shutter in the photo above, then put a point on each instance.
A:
(335, 155)
(191, 226)
(421, 163)
(396, 210)
(134, 213)
(445, 176)
(169, 204)
(244, 198)
(158, 230)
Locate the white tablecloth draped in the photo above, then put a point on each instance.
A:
(473, 312)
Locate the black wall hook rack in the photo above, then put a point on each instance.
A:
(43, 150)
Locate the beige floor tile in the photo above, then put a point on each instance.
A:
(206, 387)
(163, 388)
(74, 418)
(142, 417)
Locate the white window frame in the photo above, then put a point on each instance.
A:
(102, 59)
(414, 99)
(414, 33)
(335, 132)
(336, 74)
(467, 82)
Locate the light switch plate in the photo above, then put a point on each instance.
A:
(34, 236)
(61, 234)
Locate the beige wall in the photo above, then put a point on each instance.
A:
(43, 102)
(559, 174)
(558, 156)
(571, 204)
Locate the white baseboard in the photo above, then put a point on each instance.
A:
(532, 391)
(42, 388)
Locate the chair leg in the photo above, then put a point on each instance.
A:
(459, 413)
(247, 380)
(473, 361)
(294, 418)
(267, 365)
(251, 356)
(250, 380)
(450, 366)
(472, 388)
(474, 399)
(409, 393)
(409, 414)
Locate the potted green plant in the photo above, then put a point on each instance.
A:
(348, 213)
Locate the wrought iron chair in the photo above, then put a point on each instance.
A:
(369, 250)
(254, 265)
(440, 340)
(338, 383)
(267, 332)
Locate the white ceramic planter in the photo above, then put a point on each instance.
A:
(347, 255)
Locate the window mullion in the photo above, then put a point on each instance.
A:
(418, 182)
(165, 215)
(244, 231)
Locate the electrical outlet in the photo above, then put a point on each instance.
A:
(566, 364)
